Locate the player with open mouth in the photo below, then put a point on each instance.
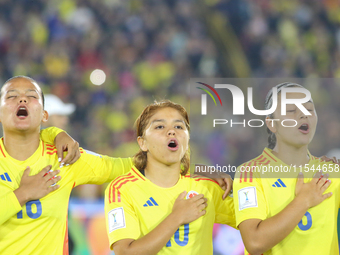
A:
(158, 208)
(173, 144)
(279, 215)
(304, 128)
(34, 189)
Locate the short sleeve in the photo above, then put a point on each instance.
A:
(249, 197)
(224, 209)
(121, 218)
(49, 134)
(94, 168)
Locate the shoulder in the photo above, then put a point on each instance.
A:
(251, 167)
(262, 159)
(203, 184)
(123, 186)
(318, 161)
(126, 180)
(48, 148)
(317, 164)
(201, 179)
(51, 149)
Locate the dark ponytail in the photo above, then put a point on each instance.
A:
(271, 137)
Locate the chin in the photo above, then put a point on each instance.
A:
(22, 127)
(171, 161)
(301, 143)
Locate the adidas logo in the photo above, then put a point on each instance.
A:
(5, 177)
(279, 183)
(150, 202)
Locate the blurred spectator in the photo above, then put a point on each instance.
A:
(150, 49)
(58, 112)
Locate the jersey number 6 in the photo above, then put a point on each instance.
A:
(309, 222)
(30, 213)
(176, 237)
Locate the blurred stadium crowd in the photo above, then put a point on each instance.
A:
(150, 49)
(145, 48)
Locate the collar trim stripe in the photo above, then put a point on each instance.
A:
(137, 174)
(270, 156)
(129, 175)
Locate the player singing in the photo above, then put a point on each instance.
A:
(279, 215)
(157, 208)
(33, 218)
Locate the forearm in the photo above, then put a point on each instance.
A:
(10, 207)
(152, 242)
(21, 195)
(268, 233)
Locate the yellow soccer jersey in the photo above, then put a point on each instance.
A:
(134, 206)
(49, 134)
(40, 226)
(259, 197)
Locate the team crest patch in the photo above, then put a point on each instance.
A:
(116, 219)
(247, 198)
(191, 194)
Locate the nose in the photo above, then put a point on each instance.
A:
(23, 99)
(302, 115)
(171, 132)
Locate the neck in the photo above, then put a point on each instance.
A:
(291, 155)
(162, 175)
(21, 145)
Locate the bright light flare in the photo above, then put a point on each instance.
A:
(97, 77)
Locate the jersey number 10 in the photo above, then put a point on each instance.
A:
(29, 211)
(176, 237)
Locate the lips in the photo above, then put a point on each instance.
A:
(173, 144)
(22, 112)
(304, 128)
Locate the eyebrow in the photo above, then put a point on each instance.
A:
(28, 90)
(163, 120)
(310, 101)
(12, 90)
